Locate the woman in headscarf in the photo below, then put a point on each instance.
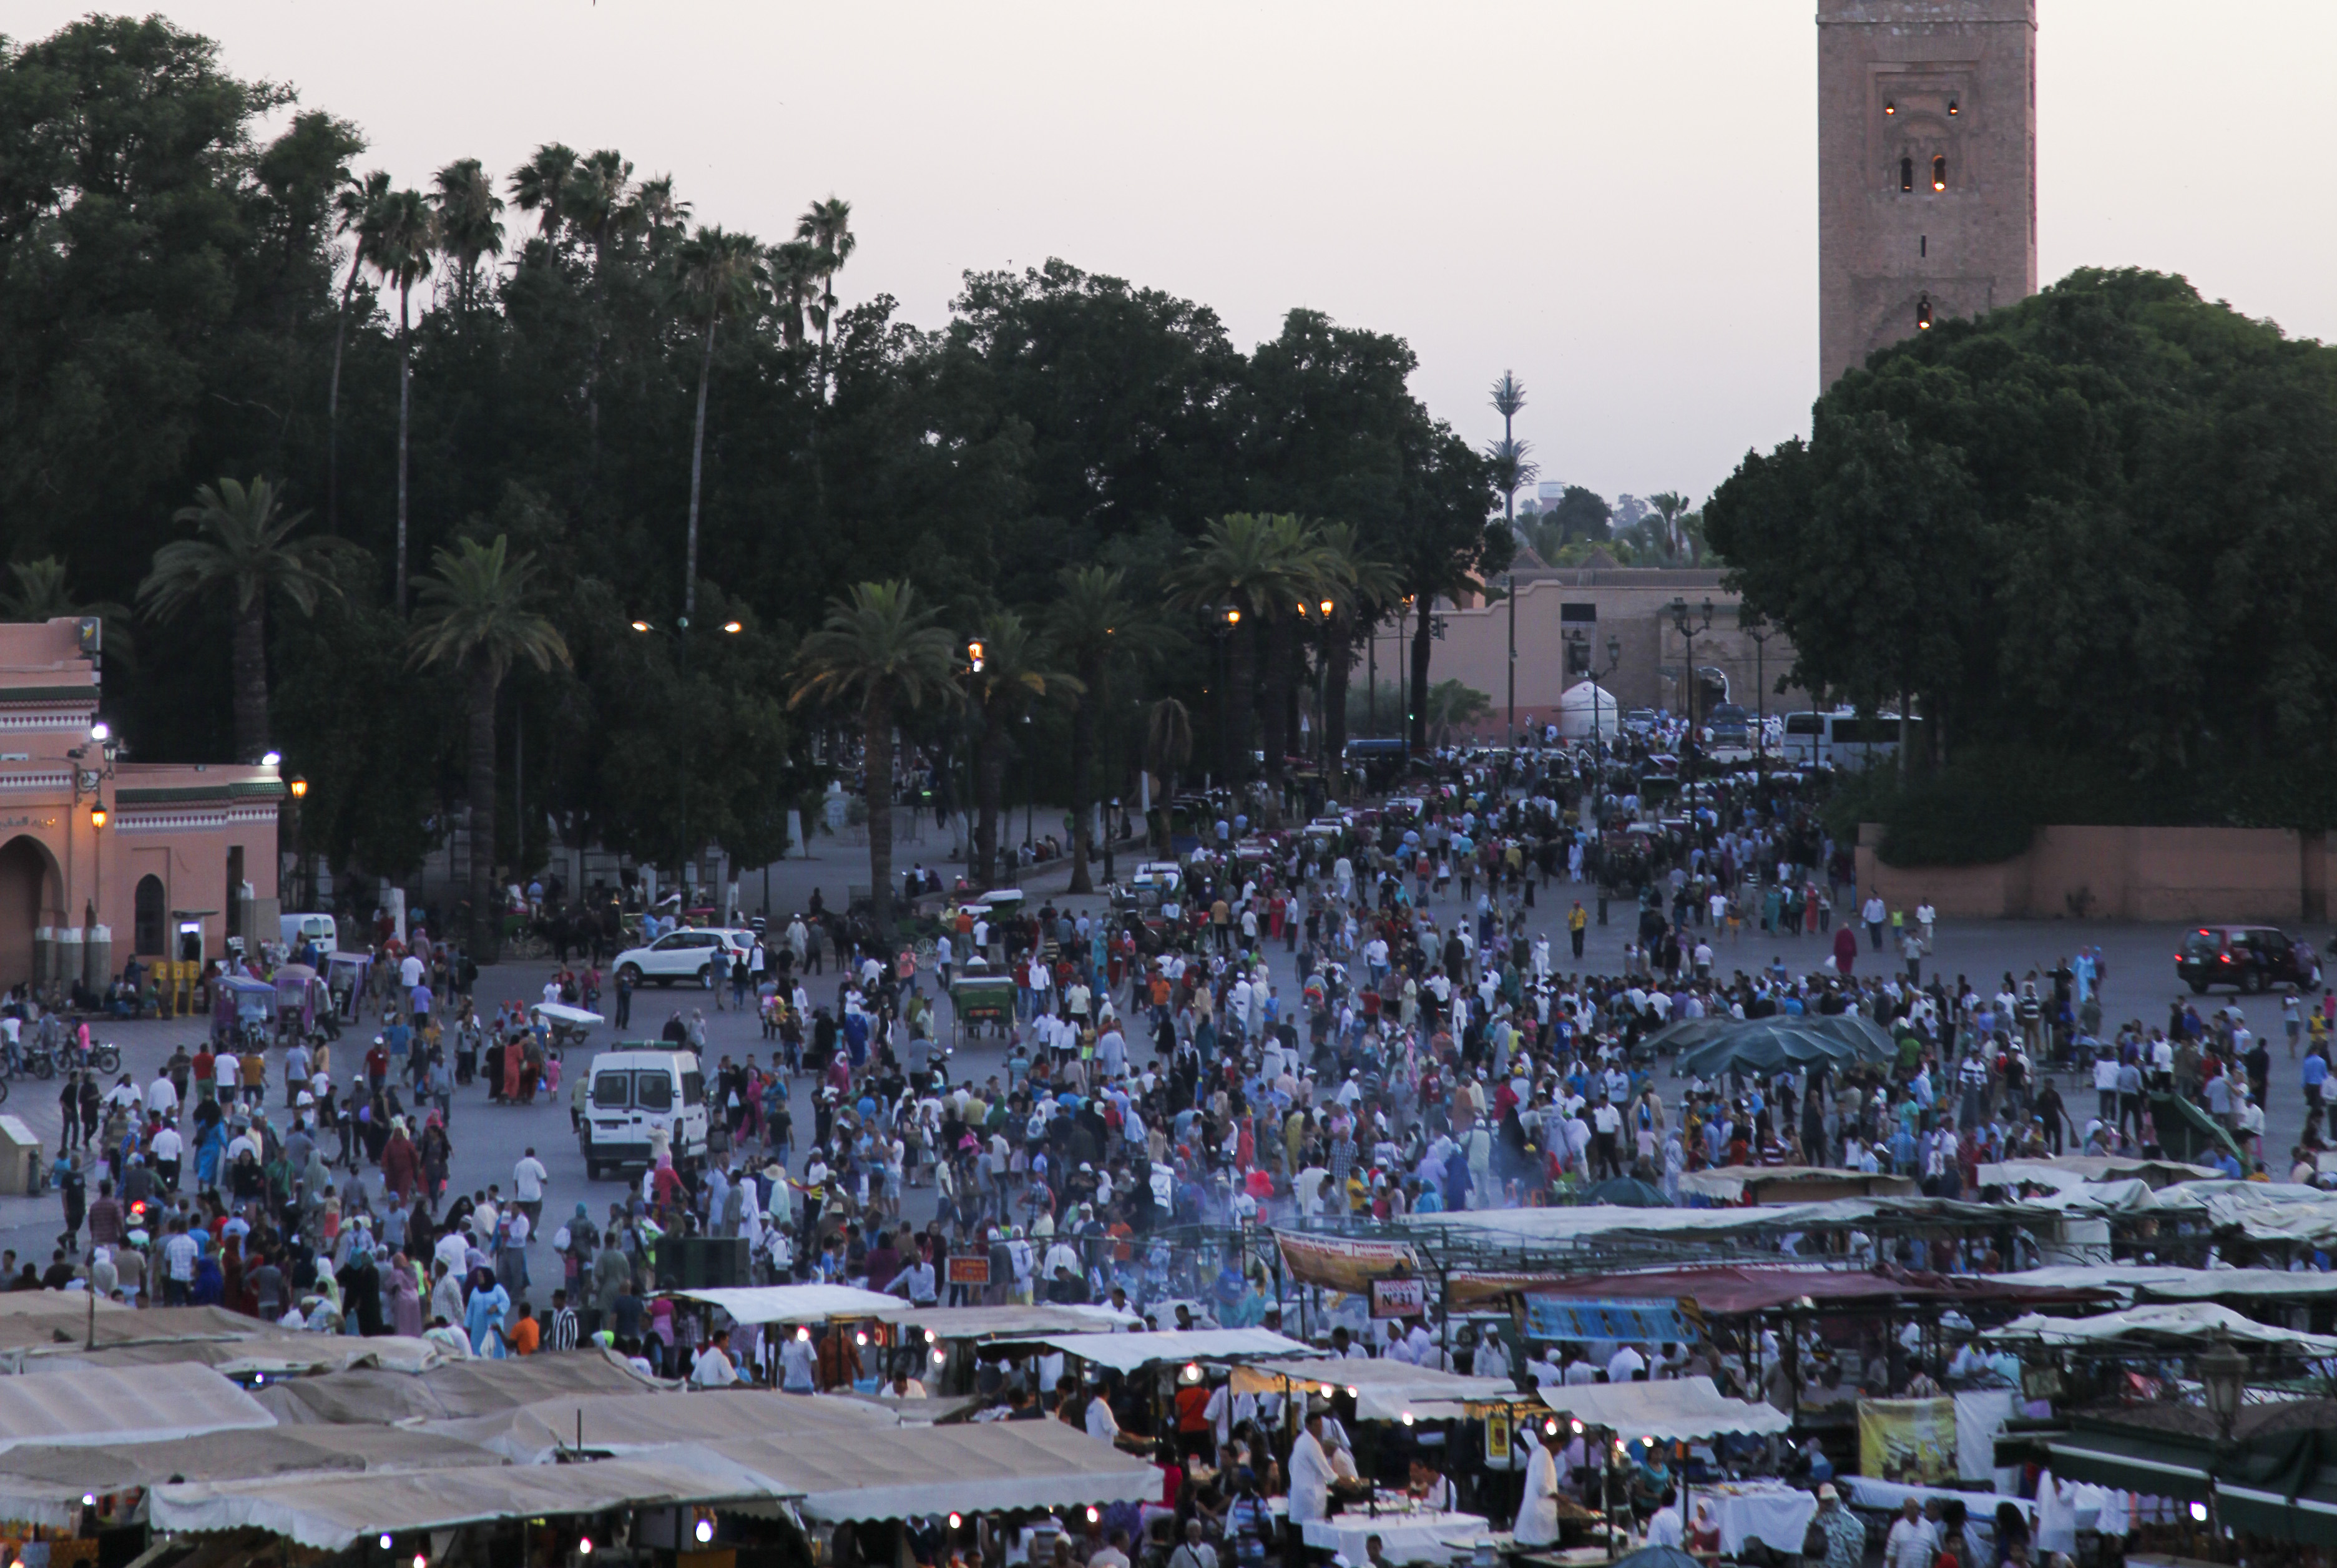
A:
(404, 1293)
(231, 1275)
(360, 1282)
(401, 1162)
(483, 1313)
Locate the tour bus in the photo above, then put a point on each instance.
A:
(1841, 739)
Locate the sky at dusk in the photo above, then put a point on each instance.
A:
(1617, 201)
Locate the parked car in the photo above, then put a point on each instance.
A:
(702, 953)
(2250, 957)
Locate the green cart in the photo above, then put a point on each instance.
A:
(979, 998)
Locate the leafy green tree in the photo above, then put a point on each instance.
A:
(1168, 750)
(878, 652)
(1454, 706)
(2082, 527)
(477, 616)
(244, 551)
(1248, 574)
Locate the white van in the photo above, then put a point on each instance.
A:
(322, 929)
(635, 1092)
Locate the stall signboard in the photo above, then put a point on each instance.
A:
(1909, 1440)
(1646, 1322)
(969, 1269)
(1399, 1298)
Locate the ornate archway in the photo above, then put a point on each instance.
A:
(31, 896)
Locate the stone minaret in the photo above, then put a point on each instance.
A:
(1927, 166)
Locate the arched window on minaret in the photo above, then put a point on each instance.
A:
(1906, 173)
(1940, 172)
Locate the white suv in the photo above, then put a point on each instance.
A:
(703, 954)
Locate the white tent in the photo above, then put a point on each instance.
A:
(1581, 705)
(331, 1513)
(795, 1303)
(895, 1473)
(1127, 1352)
(103, 1405)
(1678, 1410)
(2191, 1325)
(628, 1423)
(1384, 1390)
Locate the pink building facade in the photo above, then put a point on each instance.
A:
(101, 857)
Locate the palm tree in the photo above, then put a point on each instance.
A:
(243, 552)
(1094, 621)
(1511, 471)
(1363, 587)
(476, 617)
(1668, 505)
(470, 223)
(795, 278)
(719, 270)
(540, 186)
(828, 226)
(1251, 572)
(598, 201)
(1168, 748)
(403, 238)
(880, 651)
(1014, 670)
(357, 213)
(658, 212)
(40, 595)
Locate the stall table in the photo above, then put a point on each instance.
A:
(1405, 1537)
(1771, 1512)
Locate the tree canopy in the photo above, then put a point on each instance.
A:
(2083, 529)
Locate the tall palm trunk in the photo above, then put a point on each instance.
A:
(1241, 692)
(1276, 737)
(486, 926)
(249, 652)
(989, 794)
(1083, 749)
(333, 401)
(696, 466)
(404, 423)
(1422, 633)
(1338, 656)
(876, 764)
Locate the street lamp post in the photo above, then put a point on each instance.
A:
(2224, 1378)
(1685, 624)
(1510, 592)
(680, 636)
(1598, 763)
(1760, 635)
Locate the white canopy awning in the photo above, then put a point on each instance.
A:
(1677, 1410)
(44, 1484)
(1127, 1352)
(629, 1422)
(795, 1303)
(2165, 1282)
(1384, 1390)
(1008, 1322)
(897, 1473)
(2175, 1324)
(330, 1513)
(103, 1405)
